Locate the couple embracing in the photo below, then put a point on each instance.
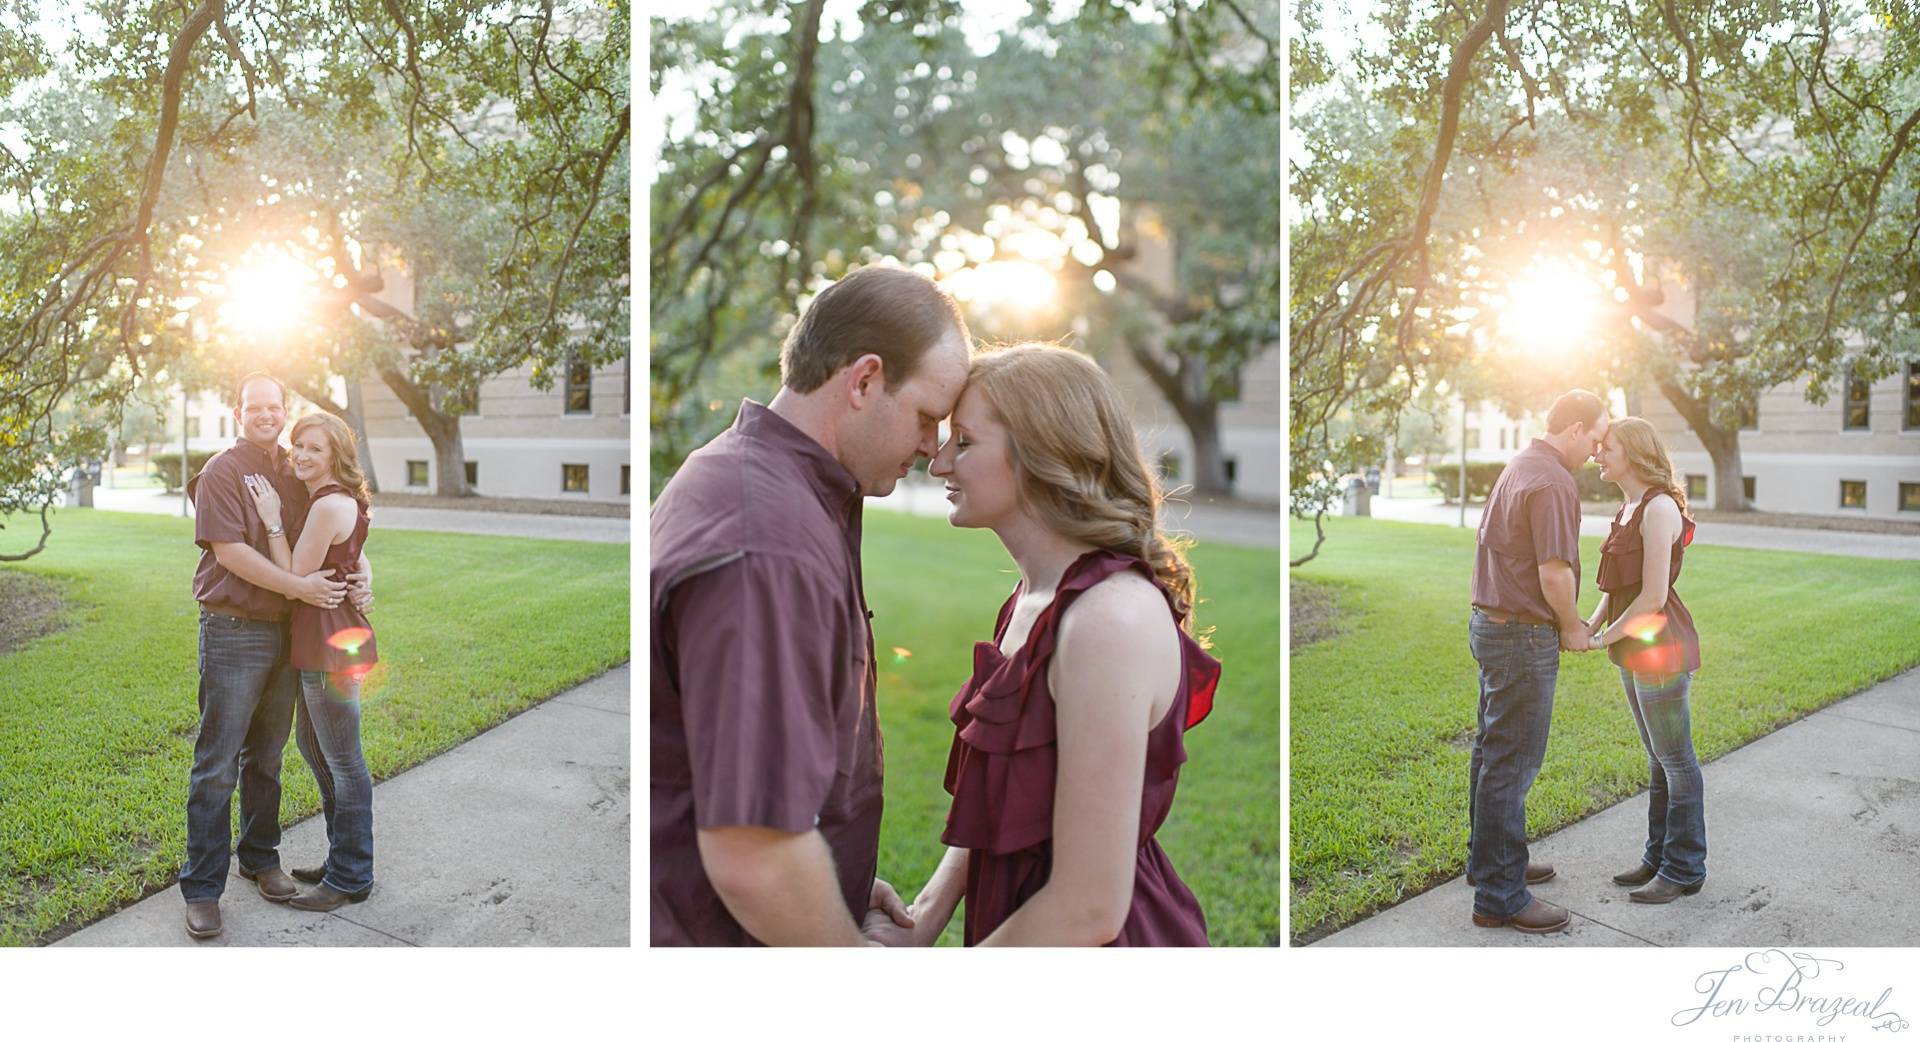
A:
(283, 588)
(766, 747)
(1526, 580)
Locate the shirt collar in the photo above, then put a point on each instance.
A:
(831, 481)
(1552, 453)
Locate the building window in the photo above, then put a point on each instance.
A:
(416, 473)
(1746, 487)
(473, 473)
(223, 426)
(1473, 437)
(1853, 495)
(573, 477)
(1696, 487)
(1910, 495)
(1913, 396)
(1233, 469)
(626, 480)
(579, 387)
(626, 385)
(1503, 437)
(1855, 409)
(1170, 466)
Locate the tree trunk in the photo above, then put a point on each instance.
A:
(356, 417)
(449, 451)
(1722, 445)
(1199, 412)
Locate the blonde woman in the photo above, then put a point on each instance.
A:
(332, 648)
(1649, 634)
(1068, 738)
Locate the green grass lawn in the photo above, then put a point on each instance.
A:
(97, 720)
(1383, 715)
(934, 591)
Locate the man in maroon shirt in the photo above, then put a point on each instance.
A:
(766, 752)
(247, 687)
(1526, 581)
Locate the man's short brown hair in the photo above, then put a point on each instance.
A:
(891, 312)
(240, 386)
(1575, 407)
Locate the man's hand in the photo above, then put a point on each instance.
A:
(318, 590)
(879, 928)
(883, 899)
(360, 588)
(1576, 639)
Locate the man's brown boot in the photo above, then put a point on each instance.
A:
(1537, 917)
(203, 919)
(274, 884)
(1537, 873)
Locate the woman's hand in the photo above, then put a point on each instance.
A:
(266, 502)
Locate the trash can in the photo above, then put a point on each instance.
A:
(1373, 481)
(79, 488)
(1359, 501)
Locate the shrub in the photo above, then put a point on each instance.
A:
(167, 465)
(1445, 478)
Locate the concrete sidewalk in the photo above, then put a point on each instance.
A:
(1753, 537)
(522, 836)
(472, 522)
(1813, 837)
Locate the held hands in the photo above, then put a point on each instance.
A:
(1576, 639)
(266, 502)
(888, 921)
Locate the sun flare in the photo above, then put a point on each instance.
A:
(1549, 306)
(269, 292)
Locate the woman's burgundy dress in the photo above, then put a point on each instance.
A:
(335, 640)
(1001, 770)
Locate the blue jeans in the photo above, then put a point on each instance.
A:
(1518, 666)
(1676, 794)
(328, 733)
(246, 708)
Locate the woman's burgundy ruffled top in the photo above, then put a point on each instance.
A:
(1668, 644)
(1001, 770)
(337, 639)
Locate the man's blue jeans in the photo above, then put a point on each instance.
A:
(1676, 794)
(1518, 666)
(328, 734)
(247, 692)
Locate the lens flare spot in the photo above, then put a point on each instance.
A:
(1647, 628)
(350, 639)
(901, 654)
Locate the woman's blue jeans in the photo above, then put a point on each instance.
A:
(1676, 794)
(327, 729)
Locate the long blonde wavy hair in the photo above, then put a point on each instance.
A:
(1648, 457)
(1077, 460)
(346, 450)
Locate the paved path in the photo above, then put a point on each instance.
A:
(1753, 537)
(1234, 525)
(522, 836)
(474, 522)
(1813, 839)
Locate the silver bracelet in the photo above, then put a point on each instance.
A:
(276, 530)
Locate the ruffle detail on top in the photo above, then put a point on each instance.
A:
(1001, 768)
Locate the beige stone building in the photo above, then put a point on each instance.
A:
(1856, 456)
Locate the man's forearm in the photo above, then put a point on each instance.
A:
(1556, 581)
(781, 886)
(250, 565)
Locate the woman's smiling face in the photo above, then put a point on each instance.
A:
(312, 454)
(976, 463)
